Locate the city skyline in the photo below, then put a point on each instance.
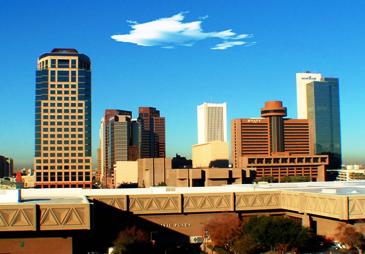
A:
(162, 75)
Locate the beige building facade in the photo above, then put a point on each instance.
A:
(158, 171)
(204, 154)
(153, 171)
(125, 172)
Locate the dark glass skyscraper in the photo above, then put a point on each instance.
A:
(152, 139)
(323, 105)
(63, 120)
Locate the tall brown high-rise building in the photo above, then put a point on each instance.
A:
(152, 141)
(63, 120)
(276, 146)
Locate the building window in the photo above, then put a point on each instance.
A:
(53, 76)
(63, 63)
(67, 176)
(63, 76)
(73, 76)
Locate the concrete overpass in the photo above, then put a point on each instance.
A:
(41, 213)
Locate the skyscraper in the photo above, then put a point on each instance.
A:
(324, 110)
(63, 120)
(152, 128)
(302, 80)
(274, 146)
(318, 101)
(6, 167)
(212, 122)
(105, 144)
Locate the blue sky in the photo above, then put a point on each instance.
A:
(283, 37)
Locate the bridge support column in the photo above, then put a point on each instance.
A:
(306, 220)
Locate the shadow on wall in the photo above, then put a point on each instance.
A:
(108, 221)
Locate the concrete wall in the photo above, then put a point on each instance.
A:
(29, 181)
(153, 171)
(37, 245)
(203, 154)
(190, 224)
(125, 172)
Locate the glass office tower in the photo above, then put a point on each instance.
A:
(324, 111)
(63, 120)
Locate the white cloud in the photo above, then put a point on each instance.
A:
(172, 31)
(228, 44)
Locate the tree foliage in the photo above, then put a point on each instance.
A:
(350, 236)
(224, 230)
(293, 179)
(269, 179)
(131, 241)
(258, 234)
(276, 232)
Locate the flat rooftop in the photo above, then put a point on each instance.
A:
(341, 188)
(72, 196)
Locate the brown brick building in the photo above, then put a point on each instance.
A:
(275, 146)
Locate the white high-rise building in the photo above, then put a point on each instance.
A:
(303, 79)
(212, 122)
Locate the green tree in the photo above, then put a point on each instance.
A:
(269, 179)
(293, 179)
(275, 233)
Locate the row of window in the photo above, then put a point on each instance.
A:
(60, 92)
(66, 98)
(63, 76)
(65, 86)
(60, 148)
(60, 63)
(60, 104)
(66, 177)
(79, 117)
(62, 123)
(62, 129)
(63, 63)
(63, 160)
(46, 135)
(64, 167)
(66, 110)
(60, 142)
(63, 155)
(59, 166)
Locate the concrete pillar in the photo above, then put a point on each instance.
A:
(306, 220)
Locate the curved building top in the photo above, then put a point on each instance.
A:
(273, 108)
(65, 52)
